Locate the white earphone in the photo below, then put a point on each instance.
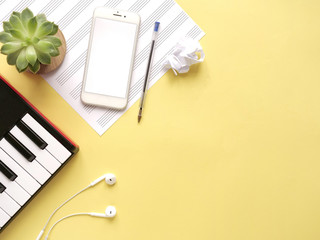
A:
(109, 178)
(109, 213)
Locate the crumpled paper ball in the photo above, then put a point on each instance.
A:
(184, 55)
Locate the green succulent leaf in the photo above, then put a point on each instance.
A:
(55, 53)
(45, 46)
(16, 23)
(32, 26)
(35, 68)
(44, 29)
(22, 70)
(31, 55)
(16, 14)
(6, 37)
(35, 40)
(17, 34)
(22, 62)
(25, 16)
(54, 40)
(41, 18)
(54, 29)
(12, 57)
(11, 47)
(7, 26)
(43, 57)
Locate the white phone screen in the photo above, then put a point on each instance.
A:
(110, 57)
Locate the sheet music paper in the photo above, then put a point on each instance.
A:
(74, 19)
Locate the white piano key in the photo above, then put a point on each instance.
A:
(24, 179)
(33, 168)
(54, 146)
(42, 156)
(4, 218)
(8, 204)
(14, 190)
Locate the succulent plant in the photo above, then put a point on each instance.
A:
(28, 40)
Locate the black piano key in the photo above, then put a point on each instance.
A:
(32, 135)
(7, 171)
(2, 188)
(20, 147)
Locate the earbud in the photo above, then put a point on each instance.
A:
(109, 213)
(110, 179)
(110, 210)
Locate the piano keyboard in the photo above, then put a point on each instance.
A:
(32, 150)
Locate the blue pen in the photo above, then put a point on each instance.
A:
(144, 90)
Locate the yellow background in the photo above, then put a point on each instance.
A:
(228, 151)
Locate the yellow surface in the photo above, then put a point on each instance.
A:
(228, 151)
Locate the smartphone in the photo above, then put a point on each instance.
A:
(110, 57)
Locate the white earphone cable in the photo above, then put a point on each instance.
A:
(61, 219)
(73, 196)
